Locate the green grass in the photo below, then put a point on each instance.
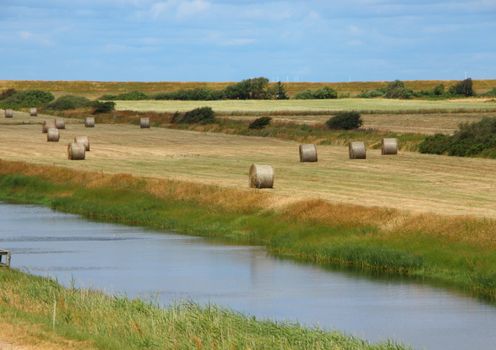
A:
(360, 245)
(268, 106)
(116, 322)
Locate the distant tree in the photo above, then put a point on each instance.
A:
(255, 88)
(397, 89)
(463, 88)
(278, 92)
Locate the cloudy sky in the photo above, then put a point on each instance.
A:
(228, 40)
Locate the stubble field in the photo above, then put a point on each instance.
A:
(410, 181)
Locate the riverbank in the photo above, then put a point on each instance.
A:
(454, 251)
(43, 312)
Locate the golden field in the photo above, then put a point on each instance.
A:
(410, 181)
(97, 88)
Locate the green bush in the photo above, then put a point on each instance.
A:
(397, 89)
(103, 107)
(260, 123)
(131, 96)
(202, 115)
(322, 93)
(371, 93)
(69, 102)
(345, 121)
(199, 94)
(436, 144)
(475, 139)
(27, 98)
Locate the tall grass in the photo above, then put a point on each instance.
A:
(455, 251)
(116, 322)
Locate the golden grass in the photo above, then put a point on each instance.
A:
(411, 181)
(357, 104)
(428, 123)
(27, 336)
(97, 88)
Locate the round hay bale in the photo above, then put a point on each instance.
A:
(83, 140)
(9, 113)
(76, 151)
(144, 123)
(308, 153)
(389, 146)
(47, 125)
(357, 150)
(33, 112)
(59, 123)
(53, 135)
(261, 176)
(89, 122)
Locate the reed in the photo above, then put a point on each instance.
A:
(91, 319)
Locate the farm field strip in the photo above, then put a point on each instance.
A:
(359, 104)
(416, 182)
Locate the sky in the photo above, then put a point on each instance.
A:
(227, 40)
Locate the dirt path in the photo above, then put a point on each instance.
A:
(28, 337)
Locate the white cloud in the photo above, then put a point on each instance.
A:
(35, 38)
(176, 8)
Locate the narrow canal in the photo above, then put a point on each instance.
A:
(169, 267)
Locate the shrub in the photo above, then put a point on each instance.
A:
(260, 123)
(439, 90)
(463, 88)
(27, 98)
(199, 94)
(322, 93)
(131, 95)
(475, 139)
(436, 144)
(345, 121)
(202, 115)
(371, 93)
(103, 107)
(255, 88)
(69, 102)
(397, 89)
(7, 93)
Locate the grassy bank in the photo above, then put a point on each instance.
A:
(97, 321)
(455, 251)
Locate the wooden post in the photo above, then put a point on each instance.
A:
(7, 255)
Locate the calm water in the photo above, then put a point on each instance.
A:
(170, 267)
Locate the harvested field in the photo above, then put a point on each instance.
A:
(428, 123)
(357, 104)
(416, 182)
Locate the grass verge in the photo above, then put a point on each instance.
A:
(455, 251)
(99, 321)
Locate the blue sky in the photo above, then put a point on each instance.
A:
(226, 40)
